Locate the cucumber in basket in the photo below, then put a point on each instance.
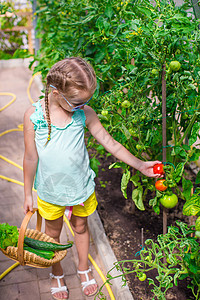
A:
(41, 253)
(9, 237)
(41, 245)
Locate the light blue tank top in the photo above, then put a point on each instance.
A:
(63, 175)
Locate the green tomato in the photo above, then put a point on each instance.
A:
(174, 65)
(197, 234)
(168, 261)
(132, 131)
(154, 71)
(104, 112)
(142, 277)
(126, 104)
(139, 147)
(169, 201)
(149, 259)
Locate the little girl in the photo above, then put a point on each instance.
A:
(55, 153)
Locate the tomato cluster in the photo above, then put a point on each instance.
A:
(168, 200)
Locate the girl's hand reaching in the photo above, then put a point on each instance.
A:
(146, 168)
(28, 204)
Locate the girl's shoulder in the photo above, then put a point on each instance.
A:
(35, 113)
(30, 110)
(90, 115)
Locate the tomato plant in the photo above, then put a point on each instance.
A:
(169, 201)
(128, 43)
(182, 261)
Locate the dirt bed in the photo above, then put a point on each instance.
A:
(123, 229)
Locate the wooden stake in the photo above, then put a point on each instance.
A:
(164, 137)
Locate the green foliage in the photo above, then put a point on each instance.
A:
(94, 164)
(174, 256)
(130, 44)
(8, 235)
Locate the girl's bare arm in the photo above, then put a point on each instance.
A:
(30, 159)
(115, 148)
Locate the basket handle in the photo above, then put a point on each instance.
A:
(20, 250)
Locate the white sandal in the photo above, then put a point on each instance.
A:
(88, 282)
(60, 288)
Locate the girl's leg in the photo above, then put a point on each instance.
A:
(53, 229)
(82, 240)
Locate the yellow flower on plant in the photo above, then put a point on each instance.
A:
(133, 33)
(140, 30)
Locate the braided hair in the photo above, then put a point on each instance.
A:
(69, 76)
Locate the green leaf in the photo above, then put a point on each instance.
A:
(94, 164)
(194, 133)
(99, 56)
(193, 267)
(192, 206)
(144, 10)
(156, 209)
(8, 235)
(137, 198)
(135, 179)
(108, 11)
(178, 172)
(126, 132)
(197, 180)
(124, 182)
(118, 165)
(179, 151)
(187, 188)
(153, 201)
(100, 23)
(197, 224)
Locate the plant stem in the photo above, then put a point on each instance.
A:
(188, 129)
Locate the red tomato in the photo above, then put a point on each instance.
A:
(158, 169)
(160, 185)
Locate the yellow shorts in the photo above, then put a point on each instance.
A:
(51, 211)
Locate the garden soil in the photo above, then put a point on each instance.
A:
(124, 228)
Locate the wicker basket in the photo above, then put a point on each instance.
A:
(27, 258)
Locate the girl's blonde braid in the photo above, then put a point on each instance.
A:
(47, 113)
